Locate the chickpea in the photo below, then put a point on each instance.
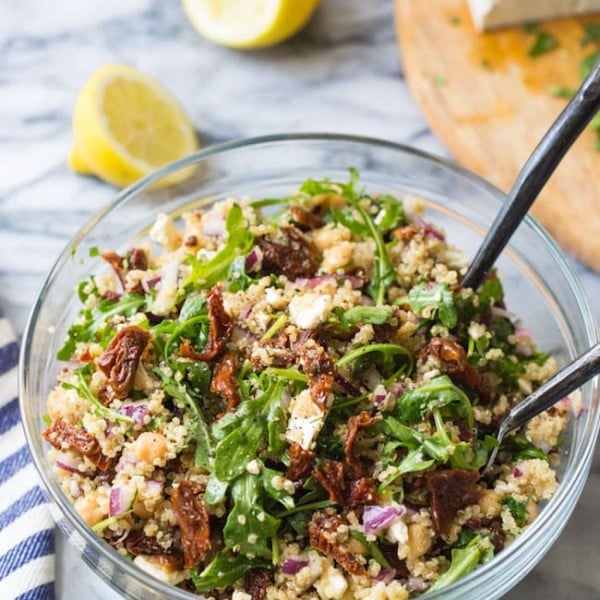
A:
(419, 540)
(532, 511)
(88, 507)
(150, 447)
(140, 509)
(489, 504)
(329, 237)
(337, 256)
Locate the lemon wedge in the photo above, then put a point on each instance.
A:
(126, 125)
(248, 23)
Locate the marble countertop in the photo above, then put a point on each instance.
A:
(342, 74)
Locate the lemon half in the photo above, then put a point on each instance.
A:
(126, 125)
(248, 23)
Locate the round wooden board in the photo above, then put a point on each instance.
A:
(489, 103)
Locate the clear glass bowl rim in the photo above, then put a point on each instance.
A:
(559, 502)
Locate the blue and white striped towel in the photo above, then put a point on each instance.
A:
(26, 527)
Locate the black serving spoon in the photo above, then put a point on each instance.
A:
(530, 181)
(534, 175)
(563, 383)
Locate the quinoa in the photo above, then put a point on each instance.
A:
(295, 402)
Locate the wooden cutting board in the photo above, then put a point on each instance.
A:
(489, 103)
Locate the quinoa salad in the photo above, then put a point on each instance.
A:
(294, 397)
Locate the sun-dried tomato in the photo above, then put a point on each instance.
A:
(319, 369)
(256, 582)
(116, 262)
(356, 424)
(280, 351)
(305, 220)
(61, 434)
(451, 490)
(219, 330)
(292, 255)
(193, 520)
(361, 490)
(331, 478)
(322, 530)
(137, 260)
(300, 463)
(345, 485)
(455, 363)
(137, 542)
(498, 537)
(121, 359)
(224, 381)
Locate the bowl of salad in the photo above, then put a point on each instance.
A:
(267, 382)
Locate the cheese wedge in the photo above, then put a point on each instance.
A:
(490, 14)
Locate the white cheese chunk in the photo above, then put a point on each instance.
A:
(332, 585)
(309, 310)
(306, 420)
(152, 566)
(488, 14)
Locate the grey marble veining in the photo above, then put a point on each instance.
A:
(342, 74)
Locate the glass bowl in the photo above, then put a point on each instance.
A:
(540, 287)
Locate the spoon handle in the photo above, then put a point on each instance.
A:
(564, 382)
(534, 175)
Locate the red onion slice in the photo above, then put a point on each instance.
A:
(416, 584)
(136, 411)
(254, 260)
(376, 518)
(120, 500)
(68, 462)
(292, 565)
(386, 575)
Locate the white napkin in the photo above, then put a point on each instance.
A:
(26, 527)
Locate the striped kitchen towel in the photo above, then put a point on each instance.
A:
(26, 527)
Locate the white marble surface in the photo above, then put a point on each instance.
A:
(342, 74)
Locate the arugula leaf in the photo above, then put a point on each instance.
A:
(345, 218)
(592, 33)
(517, 509)
(249, 428)
(237, 278)
(490, 291)
(521, 449)
(350, 190)
(371, 547)
(391, 213)
(562, 91)
(414, 461)
(464, 560)
(279, 495)
(544, 42)
(436, 298)
(249, 528)
(438, 393)
(191, 324)
(375, 315)
(93, 326)
(198, 429)
(386, 352)
(224, 570)
(216, 490)
(239, 241)
(83, 390)
(384, 273)
(235, 451)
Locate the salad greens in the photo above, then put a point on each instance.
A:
(378, 413)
